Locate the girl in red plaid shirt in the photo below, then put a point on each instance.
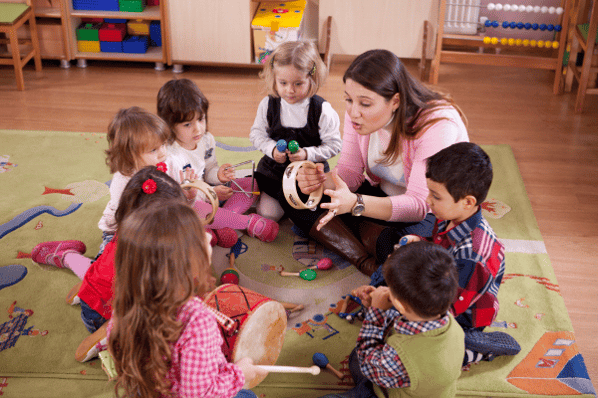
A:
(163, 340)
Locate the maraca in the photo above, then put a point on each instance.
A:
(229, 275)
(323, 264)
(281, 145)
(322, 361)
(306, 274)
(293, 146)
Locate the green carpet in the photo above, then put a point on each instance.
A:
(53, 187)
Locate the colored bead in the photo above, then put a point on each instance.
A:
(513, 25)
(490, 6)
(487, 24)
(518, 42)
(520, 25)
(536, 8)
(532, 43)
(511, 42)
(535, 26)
(487, 40)
(559, 10)
(495, 24)
(557, 28)
(525, 42)
(550, 27)
(505, 24)
(551, 10)
(498, 7)
(507, 7)
(544, 10)
(494, 40)
(521, 8)
(504, 41)
(540, 43)
(293, 146)
(528, 26)
(529, 8)
(555, 44)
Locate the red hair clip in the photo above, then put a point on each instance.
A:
(162, 167)
(149, 186)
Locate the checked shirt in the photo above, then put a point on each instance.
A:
(379, 362)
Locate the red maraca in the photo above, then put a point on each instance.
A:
(323, 264)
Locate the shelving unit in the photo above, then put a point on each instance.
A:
(159, 55)
(525, 57)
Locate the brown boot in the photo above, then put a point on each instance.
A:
(336, 236)
(369, 232)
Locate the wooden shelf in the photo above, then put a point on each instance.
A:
(151, 13)
(153, 54)
(48, 12)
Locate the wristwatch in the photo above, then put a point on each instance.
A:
(358, 207)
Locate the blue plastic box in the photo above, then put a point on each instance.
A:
(111, 46)
(115, 20)
(155, 34)
(136, 44)
(96, 5)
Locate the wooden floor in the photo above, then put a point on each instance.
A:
(556, 150)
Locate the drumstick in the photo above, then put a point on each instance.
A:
(314, 370)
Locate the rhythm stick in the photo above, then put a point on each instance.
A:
(314, 370)
(322, 361)
(306, 274)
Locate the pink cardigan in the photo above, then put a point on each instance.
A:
(411, 206)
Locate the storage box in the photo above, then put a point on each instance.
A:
(136, 44)
(153, 2)
(88, 31)
(276, 22)
(132, 5)
(96, 5)
(138, 27)
(113, 31)
(115, 20)
(155, 34)
(92, 20)
(86, 46)
(111, 46)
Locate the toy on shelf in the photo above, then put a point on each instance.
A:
(306, 274)
(322, 361)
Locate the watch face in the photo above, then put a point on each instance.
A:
(358, 209)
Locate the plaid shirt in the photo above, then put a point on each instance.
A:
(198, 367)
(378, 361)
(480, 261)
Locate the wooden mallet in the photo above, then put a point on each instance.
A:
(322, 361)
(314, 370)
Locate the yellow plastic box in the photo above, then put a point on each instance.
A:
(276, 22)
(138, 27)
(86, 46)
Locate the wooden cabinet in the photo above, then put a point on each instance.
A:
(52, 30)
(395, 25)
(208, 31)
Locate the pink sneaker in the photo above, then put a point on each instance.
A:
(227, 237)
(214, 239)
(262, 228)
(52, 253)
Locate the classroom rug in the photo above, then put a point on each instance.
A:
(54, 186)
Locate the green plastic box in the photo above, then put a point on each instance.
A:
(132, 5)
(88, 31)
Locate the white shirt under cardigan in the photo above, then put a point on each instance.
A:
(117, 186)
(202, 160)
(295, 116)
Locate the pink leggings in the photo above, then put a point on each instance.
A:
(231, 213)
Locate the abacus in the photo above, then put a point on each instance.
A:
(456, 29)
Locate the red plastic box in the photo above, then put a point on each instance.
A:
(113, 31)
(153, 2)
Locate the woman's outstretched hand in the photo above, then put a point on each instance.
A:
(309, 179)
(341, 200)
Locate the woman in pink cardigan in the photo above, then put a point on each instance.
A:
(393, 123)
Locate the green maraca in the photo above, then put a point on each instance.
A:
(306, 274)
(293, 146)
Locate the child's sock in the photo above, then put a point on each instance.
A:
(77, 263)
(471, 357)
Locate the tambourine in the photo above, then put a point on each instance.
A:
(208, 191)
(289, 187)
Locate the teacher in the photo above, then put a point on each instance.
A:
(392, 124)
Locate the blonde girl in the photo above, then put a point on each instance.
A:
(163, 340)
(292, 111)
(136, 139)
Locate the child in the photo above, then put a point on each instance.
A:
(192, 155)
(136, 138)
(95, 292)
(163, 340)
(409, 343)
(459, 178)
(292, 111)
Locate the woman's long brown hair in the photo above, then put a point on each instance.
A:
(161, 261)
(382, 72)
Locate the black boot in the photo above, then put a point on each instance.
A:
(336, 236)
